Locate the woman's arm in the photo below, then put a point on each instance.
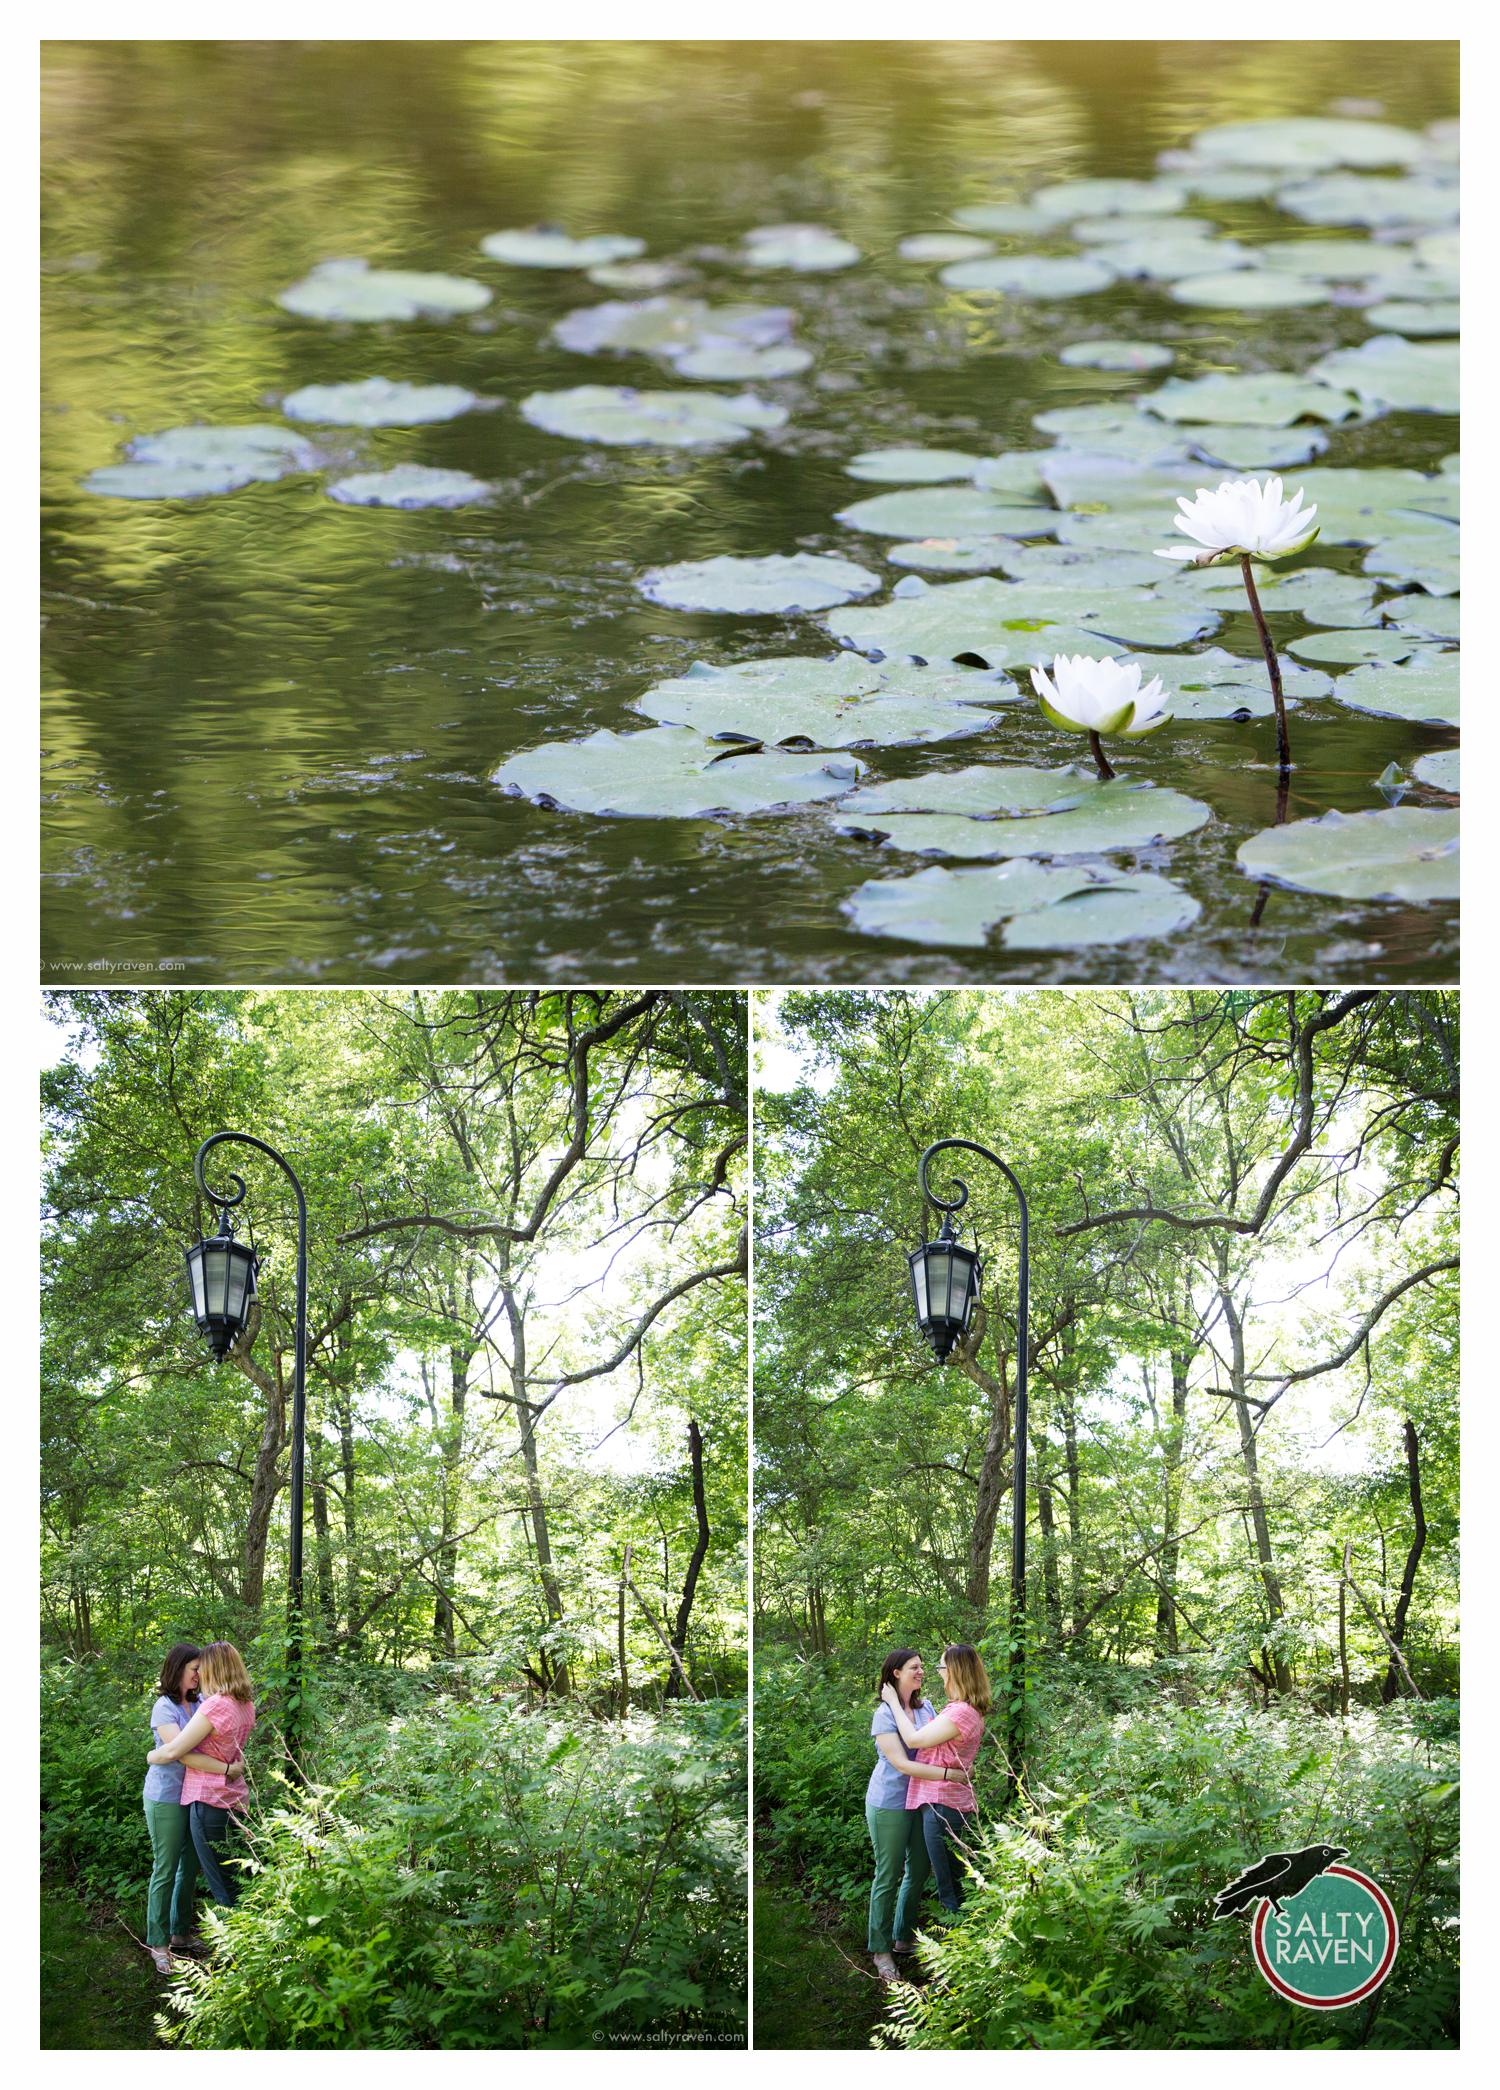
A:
(184, 1739)
(895, 1755)
(942, 1729)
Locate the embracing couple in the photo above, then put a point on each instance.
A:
(921, 1792)
(195, 1788)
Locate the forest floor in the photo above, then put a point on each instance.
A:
(98, 1987)
(814, 1986)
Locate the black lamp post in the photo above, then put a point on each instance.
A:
(945, 1282)
(222, 1275)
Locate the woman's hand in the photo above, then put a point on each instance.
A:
(891, 1696)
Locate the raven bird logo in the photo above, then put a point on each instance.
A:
(1276, 1877)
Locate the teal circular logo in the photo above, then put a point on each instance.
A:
(1330, 1945)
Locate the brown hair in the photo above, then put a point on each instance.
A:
(178, 1658)
(967, 1678)
(889, 1667)
(221, 1669)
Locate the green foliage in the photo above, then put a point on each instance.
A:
(1088, 1920)
(469, 1876)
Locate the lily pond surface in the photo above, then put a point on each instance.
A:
(369, 504)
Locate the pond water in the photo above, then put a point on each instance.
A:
(272, 718)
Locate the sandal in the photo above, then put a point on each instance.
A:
(161, 1959)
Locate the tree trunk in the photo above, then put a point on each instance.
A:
(1047, 1526)
(323, 1550)
(444, 1642)
(994, 1467)
(1260, 1523)
(265, 1480)
(1166, 1609)
(344, 1409)
(1392, 1683)
(1075, 1513)
(700, 1551)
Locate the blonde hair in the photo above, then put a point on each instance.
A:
(967, 1677)
(221, 1669)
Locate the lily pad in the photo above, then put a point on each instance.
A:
(943, 246)
(1166, 256)
(729, 363)
(913, 467)
(1216, 684)
(670, 772)
(352, 290)
(185, 464)
(1061, 200)
(952, 554)
(1327, 260)
(1015, 472)
(1355, 646)
(1053, 566)
(671, 327)
(1043, 907)
(1424, 616)
(806, 250)
(1006, 624)
(843, 702)
(1115, 355)
(1119, 910)
(656, 420)
(1390, 371)
(1117, 816)
(984, 788)
(945, 511)
(1031, 275)
(758, 587)
(1363, 504)
(1249, 449)
(1426, 690)
(544, 247)
(1248, 290)
(409, 486)
(1317, 593)
(1308, 141)
(1371, 199)
(1440, 771)
(1400, 317)
(1002, 217)
(1423, 550)
(377, 402)
(1394, 853)
(1265, 399)
(644, 276)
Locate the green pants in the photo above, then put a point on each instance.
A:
(174, 1872)
(901, 1868)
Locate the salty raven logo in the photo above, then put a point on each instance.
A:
(1276, 1877)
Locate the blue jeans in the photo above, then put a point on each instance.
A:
(211, 1827)
(939, 1826)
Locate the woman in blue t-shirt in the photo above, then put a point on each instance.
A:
(901, 1863)
(174, 1863)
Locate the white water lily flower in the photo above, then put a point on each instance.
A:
(1100, 696)
(1242, 518)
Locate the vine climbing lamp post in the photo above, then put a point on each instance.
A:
(222, 1276)
(945, 1282)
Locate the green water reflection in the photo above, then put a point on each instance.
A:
(270, 719)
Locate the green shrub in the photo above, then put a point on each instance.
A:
(481, 1879)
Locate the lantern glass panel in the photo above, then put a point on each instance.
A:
(215, 1265)
(195, 1281)
(939, 1280)
(235, 1281)
(919, 1284)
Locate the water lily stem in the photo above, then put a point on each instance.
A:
(1101, 760)
(1273, 668)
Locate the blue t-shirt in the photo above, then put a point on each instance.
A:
(164, 1780)
(887, 1786)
